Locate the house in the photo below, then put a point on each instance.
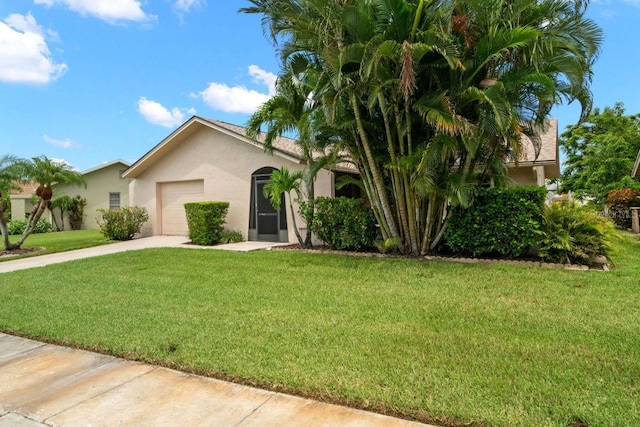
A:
(206, 160)
(535, 168)
(21, 200)
(106, 189)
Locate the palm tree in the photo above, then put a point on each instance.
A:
(45, 172)
(431, 97)
(284, 182)
(293, 111)
(9, 175)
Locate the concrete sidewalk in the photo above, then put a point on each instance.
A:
(131, 245)
(48, 385)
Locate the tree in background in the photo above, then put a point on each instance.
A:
(429, 98)
(44, 172)
(63, 204)
(9, 174)
(600, 154)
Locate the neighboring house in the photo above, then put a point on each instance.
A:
(106, 189)
(21, 200)
(534, 170)
(210, 160)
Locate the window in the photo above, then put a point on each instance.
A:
(114, 201)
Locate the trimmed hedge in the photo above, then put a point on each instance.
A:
(503, 222)
(344, 224)
(206, 221)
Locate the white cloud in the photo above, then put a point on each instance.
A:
(186, 5)
(62, 143)
(63, 162)
(157, 114)
(239, 99)
(107, 10)
(24, 54)
(264, 77)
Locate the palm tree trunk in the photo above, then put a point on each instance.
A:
(375, 172)
(293, 219)
(3, 226)
(31, 223)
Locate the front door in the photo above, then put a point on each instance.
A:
(267, 218)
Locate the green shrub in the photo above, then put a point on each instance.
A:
(122, 224)
(231, 236)
(344, 224)
(206, 221)
(575, 234)
(619, 203)
(500, 222)
(17, 226)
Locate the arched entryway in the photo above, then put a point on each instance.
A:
(266, 223)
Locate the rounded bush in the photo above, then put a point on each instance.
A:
(344, 224)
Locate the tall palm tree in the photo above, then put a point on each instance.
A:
(45, 172)
(293, 111)
(431, 97)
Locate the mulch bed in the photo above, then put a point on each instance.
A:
(22, 251)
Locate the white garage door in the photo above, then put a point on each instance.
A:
(173, 196)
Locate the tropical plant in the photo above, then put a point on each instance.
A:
(8, 177)
(76, 213)
(575, 234)
(600, 154)
(122, 224)
(430, 98)
(45, 172)
(293, 111)
(284, 182)
(63, 204)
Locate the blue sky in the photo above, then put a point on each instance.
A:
(90, 81)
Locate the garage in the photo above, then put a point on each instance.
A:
(173, 196)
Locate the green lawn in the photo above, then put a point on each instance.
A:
(448, 343)
(59, 242)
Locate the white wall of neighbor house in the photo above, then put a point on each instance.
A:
(224, 164)
(105, 190)
(21, 206)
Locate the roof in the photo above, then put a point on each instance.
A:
(548, 149)
(106, 165)
(636, 168)
(282, 147)
(25, 188)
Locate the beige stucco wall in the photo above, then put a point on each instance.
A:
(100, 183)
(21, 206)
(523, 175)
(225, 163)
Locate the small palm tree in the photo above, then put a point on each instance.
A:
(8, 176)
(45, 172)
(283, 181)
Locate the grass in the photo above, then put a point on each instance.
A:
(447, 343)
(59, 242)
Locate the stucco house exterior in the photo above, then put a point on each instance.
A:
(210, 160)
(21, 205)
(207, 160)
(106, 189)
